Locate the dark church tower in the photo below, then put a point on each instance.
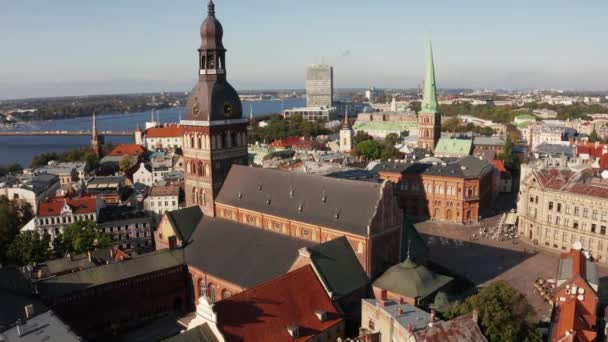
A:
(215, 132)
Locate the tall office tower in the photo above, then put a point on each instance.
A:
(319, 85)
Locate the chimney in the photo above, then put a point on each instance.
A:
(29, 311)
(321, 315)
(70, 256)
(410, 327)
(112, 253)
(432, 318)
(89, 255)
(20, 332)
(293, 331)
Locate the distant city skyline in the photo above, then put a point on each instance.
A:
(71, 47)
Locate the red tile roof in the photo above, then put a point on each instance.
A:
(128, 150)
(604, 161)
(460, 329)
(172, 131)
(286, 143)
(592, 149)
(53, 206)
(571, 317)
(264, 312)
(575, 303)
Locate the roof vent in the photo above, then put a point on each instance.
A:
(239, 195)
(260, 187)
(291, 192)
(337, 214)
(293, 331)
(463, 167)
(324, 197)
(300, 207)
(268, 200)
(321, 315)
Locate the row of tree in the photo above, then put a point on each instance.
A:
(455, 125)
(10, 168)
(279, 128)
(369, 149)
(75, 155)
(79, 237)
(71, 107)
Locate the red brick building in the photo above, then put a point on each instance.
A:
(459, 191)
(99, 300)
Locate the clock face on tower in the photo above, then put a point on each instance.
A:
(195, 108)
(227, 109)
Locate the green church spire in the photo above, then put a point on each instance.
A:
(429, 97)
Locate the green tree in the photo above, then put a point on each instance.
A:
(509, 157)
(593, 137)
(125, 164)
(370, 149)
(504, 313)
(29, 247)
(83, 236)
(360, 136)
(391, 139)
(14, 214)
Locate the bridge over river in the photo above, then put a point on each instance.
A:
(63, 133)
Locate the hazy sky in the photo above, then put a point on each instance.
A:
(74, 47)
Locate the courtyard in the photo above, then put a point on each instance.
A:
(483, 260)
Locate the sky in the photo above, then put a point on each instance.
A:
(76, 47)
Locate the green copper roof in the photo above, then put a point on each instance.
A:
(412, 280)
(429, 98)
(454, 147)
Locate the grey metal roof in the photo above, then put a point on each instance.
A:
(340, 204)
(497, 141)
(15, 293)
(465, 167)
(241, 254)
(555, 149)
(591, 273)
(404, 314)
(565, 269)
(43, 327)
(338, 267)
(147, 263)
(185, 221)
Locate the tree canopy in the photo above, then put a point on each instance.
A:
(80, 237)
(508, 156)
(280, 128)
(29, 247)
(504, 313)
(14, 214)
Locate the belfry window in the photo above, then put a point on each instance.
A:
(211, 62)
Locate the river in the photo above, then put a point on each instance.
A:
(22, 149)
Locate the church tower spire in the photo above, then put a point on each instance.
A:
(215, 132)
(96, 140)
(429, 97)
(429, 117)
